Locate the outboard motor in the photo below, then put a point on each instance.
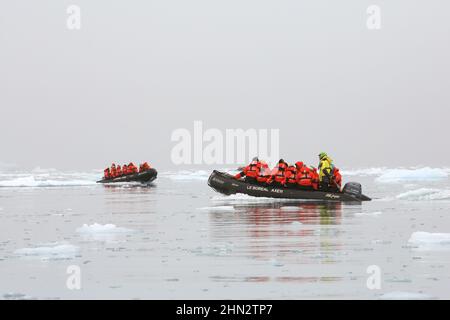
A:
(353, 188)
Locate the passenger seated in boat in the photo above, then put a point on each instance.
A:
(305, 176)
(264, 173)
(132, 168)
(125, 170)
(278, 176)
(336, 181)
(315, 180)
(119, 172)
(107, 173)
(250, 172)
(113, 171)
(144, 167)
(291, 177)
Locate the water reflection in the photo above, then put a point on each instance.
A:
(282, 233)
(118, 187)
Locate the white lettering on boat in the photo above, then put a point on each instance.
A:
(257, 188)
(332, 196)
(277, 190)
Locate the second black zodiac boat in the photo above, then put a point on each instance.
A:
(143, 177)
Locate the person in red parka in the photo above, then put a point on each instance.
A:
(336, 181)
(250, 172)
(264, 172)
(132, 168)
(106, 174)
(291, 177)
(113, 170)
(119, 171)
(304, 176)
(279, 173)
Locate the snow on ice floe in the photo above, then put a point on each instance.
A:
(32, 181)
(364, 172)
(51, 252)
(15, 296)
(427, 240)
(400, 295)
(407, 175)
(423, 194)
(102, 232)
(97, 228)
(372, 214)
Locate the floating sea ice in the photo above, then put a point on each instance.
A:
(101, 228)
(399, 295)
(425, 194)
(403, 175)
(276, 263)
(427, 239)
(30, 181)
(364, 172)
(55, 252)
(15, 296)
(373, 214)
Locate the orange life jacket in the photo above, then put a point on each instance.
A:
(337, 177)
(280, 172)
(315, 178)
(252, 170)
(113, 172)
(145, 166)
(291, 175)
(264, 173)
(125, 170)
(106, 173)
(305, 177)
(132, 168)
(119, 171)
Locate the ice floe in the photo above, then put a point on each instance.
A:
(427, 239)
(51, 252)
(418, 174)
(32, 181)
(425, 194)
(376, 171)
(372, 214)
(400, 295)
(101, 228)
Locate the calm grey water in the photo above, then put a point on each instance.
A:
(180, 239)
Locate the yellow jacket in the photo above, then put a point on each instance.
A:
(325, 166)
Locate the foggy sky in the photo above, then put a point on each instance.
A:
(137, 70)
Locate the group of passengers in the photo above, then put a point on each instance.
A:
(299, 176)
(126, 169)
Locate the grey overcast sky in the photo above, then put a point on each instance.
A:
(137, 70)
